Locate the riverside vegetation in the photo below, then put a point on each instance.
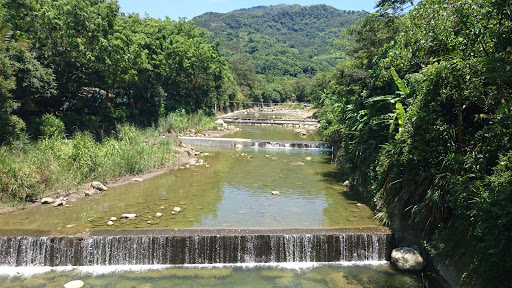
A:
(30, 170)
(420, 115)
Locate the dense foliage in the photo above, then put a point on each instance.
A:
(94, 66)
(420, 114)
(281, 40)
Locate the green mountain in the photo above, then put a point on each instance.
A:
(280, 40)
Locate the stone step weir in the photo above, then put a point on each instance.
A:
(233, 142)
(194, 246)
(265, 121)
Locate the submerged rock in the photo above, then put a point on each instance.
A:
(342, 280)
(99, 186)
(158, 214)
(34, 282)
(408, 259)
(74, 284)
(47, 200)
(176, 209)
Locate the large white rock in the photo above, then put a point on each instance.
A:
(408, 259)
(47, 200)
(74, 284)
(98, 186)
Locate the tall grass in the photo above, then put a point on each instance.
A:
(179, 122)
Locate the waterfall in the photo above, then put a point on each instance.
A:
(149, 248)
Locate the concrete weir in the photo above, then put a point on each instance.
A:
(233, 142)
(195, 246)
(264, 121)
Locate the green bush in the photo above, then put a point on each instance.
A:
(52, 126)
(179, 122)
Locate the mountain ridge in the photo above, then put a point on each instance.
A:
(276, 38)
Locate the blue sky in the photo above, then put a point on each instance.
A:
(191, 8)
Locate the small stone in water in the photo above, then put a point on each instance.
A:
(128, 216)
(74, 284)
(158, 214)
(173, 212)
(110, 223)
(149, 222)
(177, 209)
(308, 158)
(113, 218)
(275, 192)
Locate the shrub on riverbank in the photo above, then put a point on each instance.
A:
(29, 170)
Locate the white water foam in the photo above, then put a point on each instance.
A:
(27, 272)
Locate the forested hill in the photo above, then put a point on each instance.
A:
(281, 40)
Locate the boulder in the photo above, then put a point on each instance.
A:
(75, 284)
(47, 200)
(89, 192)
(98, 186)
(408, 259)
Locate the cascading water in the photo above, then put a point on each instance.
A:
(226, 247)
